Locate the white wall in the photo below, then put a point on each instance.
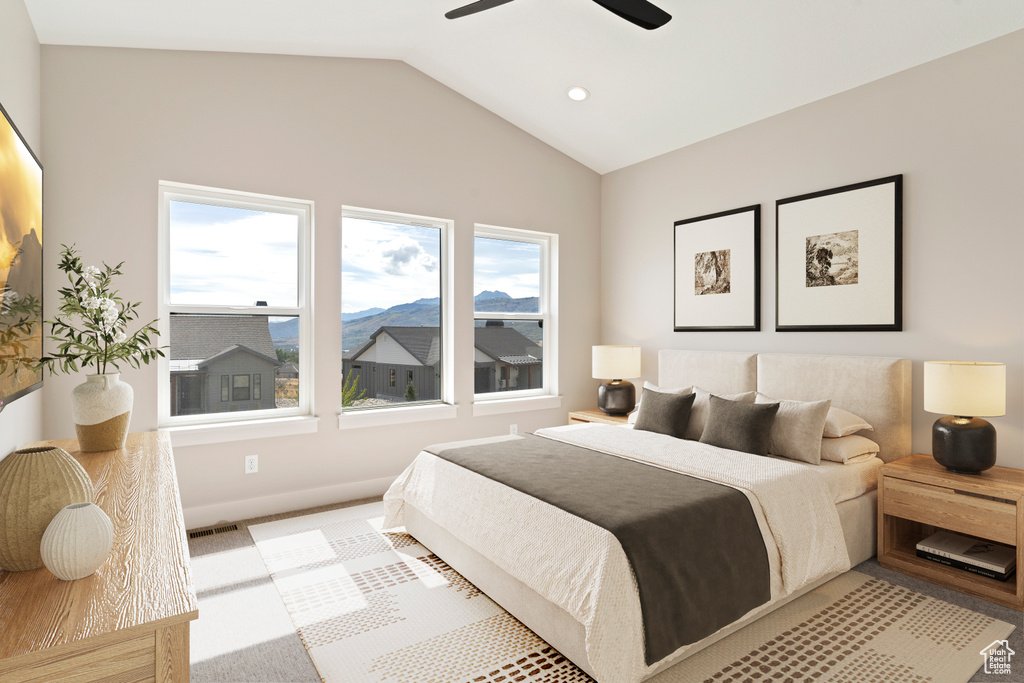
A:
(369, 133)
(21, 420)
(953, 127)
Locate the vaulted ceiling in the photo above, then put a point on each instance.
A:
(716, 66)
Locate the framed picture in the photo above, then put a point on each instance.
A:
(718, 272)
(839, 259)
(21, 264)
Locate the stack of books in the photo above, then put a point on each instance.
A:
(994, 560)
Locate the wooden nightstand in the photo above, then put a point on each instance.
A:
(917, 496)
(579, 416)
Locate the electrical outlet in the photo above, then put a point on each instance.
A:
(513, 429)
(252, 464)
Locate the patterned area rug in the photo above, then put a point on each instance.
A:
(378, 607)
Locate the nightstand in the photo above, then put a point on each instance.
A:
(580, 416)
(917, 496)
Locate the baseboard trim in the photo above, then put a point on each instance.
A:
(235, 510)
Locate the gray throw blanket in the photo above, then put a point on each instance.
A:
(694, 545)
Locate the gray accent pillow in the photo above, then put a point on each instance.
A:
(738, 425)
(699, 414)
(664, 413)
(796, 433)
(661, 390)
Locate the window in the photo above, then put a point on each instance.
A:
(235, 274)
(515, 333)
(240, 388)
(394, 310)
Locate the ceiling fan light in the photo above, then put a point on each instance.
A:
(577, 93)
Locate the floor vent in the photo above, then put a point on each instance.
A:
(200, 533)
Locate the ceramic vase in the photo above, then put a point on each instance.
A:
(77, 541)
(35, 484)
(102, 409)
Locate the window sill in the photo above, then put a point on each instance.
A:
(515, 405)
(196, 435)
(379, 417)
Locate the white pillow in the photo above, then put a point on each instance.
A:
(843, 423)
(845, 449)
(796, 432)
(661, 390)
(701, 406)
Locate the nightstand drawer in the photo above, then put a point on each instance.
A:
(949, 509)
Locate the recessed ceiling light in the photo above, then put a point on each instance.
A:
(577, 93)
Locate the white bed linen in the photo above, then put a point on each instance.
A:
(581, 567)
(848, 481)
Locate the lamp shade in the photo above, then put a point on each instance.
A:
(616, 362)
(965, 388)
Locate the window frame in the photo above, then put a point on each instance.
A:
(500, 401)
(235, 386)
(168, 192)
(444, 406)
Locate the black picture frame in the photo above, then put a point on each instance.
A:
(21, 264)
(839, 259)
(699, 246)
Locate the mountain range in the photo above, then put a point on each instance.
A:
(358, 326)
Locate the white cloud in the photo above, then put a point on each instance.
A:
(383, 265)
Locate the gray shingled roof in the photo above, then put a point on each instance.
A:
(507, 344)
(235, 348)
(424, 343)
(501, 343)
(205, 336)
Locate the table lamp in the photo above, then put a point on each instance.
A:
(964, 390)
(616, 397)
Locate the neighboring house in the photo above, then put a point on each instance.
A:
(505, 360)
(391, 358)
(221, 363)
(384, 365)
(287, 371)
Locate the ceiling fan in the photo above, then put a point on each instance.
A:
(640, 12)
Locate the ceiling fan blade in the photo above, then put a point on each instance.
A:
(640, 12)
(474, 7)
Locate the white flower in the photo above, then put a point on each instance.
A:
(90, 275)
(120, 337)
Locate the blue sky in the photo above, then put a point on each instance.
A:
(506, 266)
(232, 257)
(383, 265)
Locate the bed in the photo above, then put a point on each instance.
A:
(569, 580)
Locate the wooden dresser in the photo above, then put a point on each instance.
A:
(130, 620)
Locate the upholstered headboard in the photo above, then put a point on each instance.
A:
(877, 389)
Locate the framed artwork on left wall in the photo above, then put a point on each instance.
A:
(21, 264)
(718, 272)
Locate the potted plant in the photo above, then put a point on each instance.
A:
(91, 330)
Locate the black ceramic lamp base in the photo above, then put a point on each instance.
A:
(616, 397)
(964, 444)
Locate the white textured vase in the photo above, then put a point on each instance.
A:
(102, 409)
(77, 541)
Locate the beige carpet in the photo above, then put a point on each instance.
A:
(373, 606)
